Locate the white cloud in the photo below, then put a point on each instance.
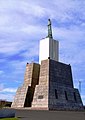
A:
(83, 99)
(83, 96)
(1, 86)
(1, 72)
(8, 97)
(10, 90)
(22, 17)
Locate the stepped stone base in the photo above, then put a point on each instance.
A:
(48, 86)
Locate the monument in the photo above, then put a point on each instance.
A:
(48, 46)
(49, 84)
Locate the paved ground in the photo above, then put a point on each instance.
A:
(49, 115)
(7, 112)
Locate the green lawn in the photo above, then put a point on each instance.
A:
(9, 119)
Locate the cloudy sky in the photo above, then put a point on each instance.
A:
(24, 22)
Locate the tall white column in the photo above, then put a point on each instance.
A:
(48, 48)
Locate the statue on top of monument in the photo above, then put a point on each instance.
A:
(49, 29)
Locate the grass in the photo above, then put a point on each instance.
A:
(9, 119)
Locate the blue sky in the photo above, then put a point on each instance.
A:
(23, 23)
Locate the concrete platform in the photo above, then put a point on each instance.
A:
(26, 114)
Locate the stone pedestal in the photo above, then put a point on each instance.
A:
(48, 86)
